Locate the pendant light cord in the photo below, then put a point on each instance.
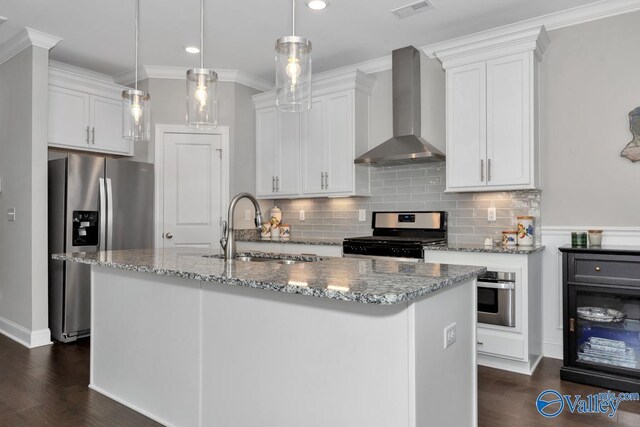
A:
(293, 9)
(136, 60)
(201, 33)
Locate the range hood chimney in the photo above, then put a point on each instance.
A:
(406, 146)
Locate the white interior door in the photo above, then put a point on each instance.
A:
(193, 193)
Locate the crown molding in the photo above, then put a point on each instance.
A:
(179, 73)
(480, 49)
(553, 21)
(68, 77)
(325, 83)
(80, 71)
(23, 39)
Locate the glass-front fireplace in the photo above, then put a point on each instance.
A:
(602, 317)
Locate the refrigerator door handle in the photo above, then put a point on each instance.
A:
(109, 215)
(103, 214)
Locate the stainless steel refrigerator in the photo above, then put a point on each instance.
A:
(95, 204)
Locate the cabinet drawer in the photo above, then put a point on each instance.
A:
(604, 269)
(498, 345)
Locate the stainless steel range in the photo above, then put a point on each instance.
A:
(399, 236)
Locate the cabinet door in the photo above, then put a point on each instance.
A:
(288, 156)
(266, 150)
(313, 148)
(106, 126)
(509, 133)
(339, 143)
(68, 118)
(466, 126)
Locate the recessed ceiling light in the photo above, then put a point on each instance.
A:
(317, 4)
(192, 49)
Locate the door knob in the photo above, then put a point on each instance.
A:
(169, 236)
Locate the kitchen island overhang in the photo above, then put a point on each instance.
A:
(202, 342)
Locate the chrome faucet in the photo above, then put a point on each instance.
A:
(228, 241)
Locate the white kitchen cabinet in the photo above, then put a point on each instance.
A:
(85, 114)
(317, 148)
(492, 112)
(277, 153)
(518, 348)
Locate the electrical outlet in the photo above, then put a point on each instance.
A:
(11, 214)
(302, 217)
(449, 335)
(247, 215)
(491, 214)
(362, 214)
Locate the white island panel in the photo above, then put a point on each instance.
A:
(145, 343)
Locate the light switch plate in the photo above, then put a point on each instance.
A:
(491, 214)
(11, 214)
(449, 335)
(302, 217)
(362, 214)
(247, 215)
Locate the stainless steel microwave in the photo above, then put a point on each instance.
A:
(497, 298)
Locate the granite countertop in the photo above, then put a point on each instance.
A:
(357, 280)
(291, 240)
(463, 247)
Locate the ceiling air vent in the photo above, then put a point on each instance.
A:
(412, 9)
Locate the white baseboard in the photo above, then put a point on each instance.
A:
(24, 336)
(129, 405)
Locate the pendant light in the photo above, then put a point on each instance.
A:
(293, 71)
(135, 103)
(201, 89)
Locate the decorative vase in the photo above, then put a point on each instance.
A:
(525, 230)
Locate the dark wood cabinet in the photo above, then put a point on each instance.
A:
(601, 307)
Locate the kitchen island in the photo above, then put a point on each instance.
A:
(191, 340)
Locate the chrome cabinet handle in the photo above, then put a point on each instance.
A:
(277, 184)
(326, 180)
(488, 170)
(481, 170)
(168, 236)
(479, 343)
(87, 135)
(273, 184)
(322, 180)
(93, 136)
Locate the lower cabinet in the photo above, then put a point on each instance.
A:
(517, 348)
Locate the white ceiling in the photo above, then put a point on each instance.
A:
(98, 34)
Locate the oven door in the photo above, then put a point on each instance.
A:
(497, 303)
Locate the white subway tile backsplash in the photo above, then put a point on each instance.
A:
(413, 187)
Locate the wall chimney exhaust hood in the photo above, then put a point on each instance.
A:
(406, 146)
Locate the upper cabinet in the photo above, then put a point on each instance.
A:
(311, 154)
(85, 114)
(492, 112)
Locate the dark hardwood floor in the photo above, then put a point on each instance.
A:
(47, 386)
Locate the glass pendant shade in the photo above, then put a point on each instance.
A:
(202, 111)
(293, 74)
(135, 117)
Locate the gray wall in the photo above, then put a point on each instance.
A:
(235, 110)
(590, 82)
(23, 168)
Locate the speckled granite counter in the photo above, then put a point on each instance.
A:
(290, 240)
(357, 280)
(518, 250)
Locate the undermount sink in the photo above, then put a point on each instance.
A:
(255, 259)
(263, 259)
